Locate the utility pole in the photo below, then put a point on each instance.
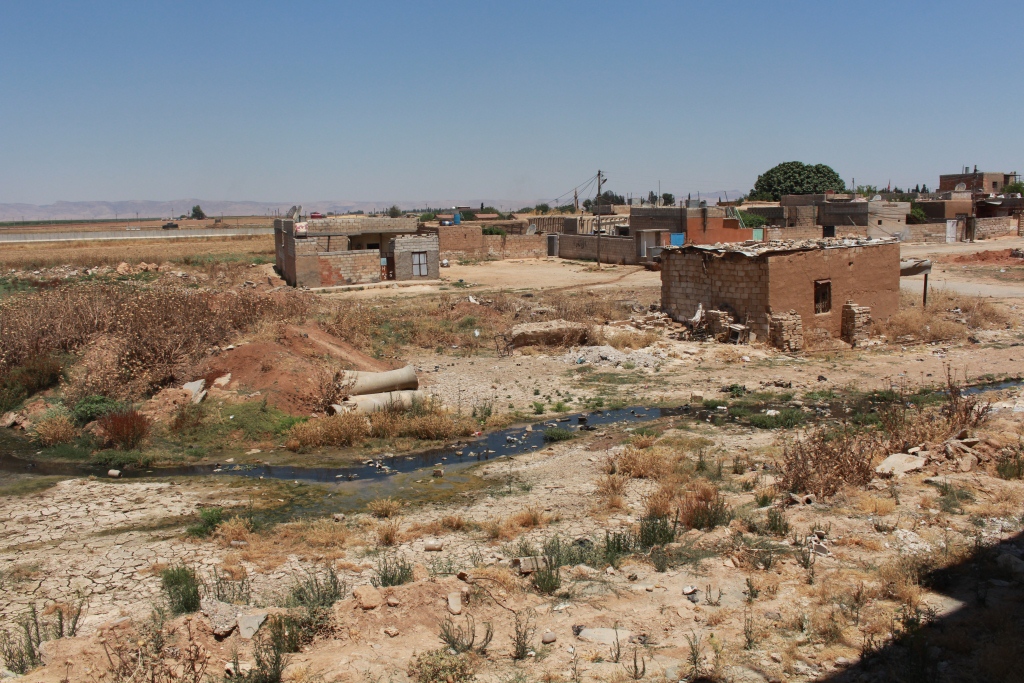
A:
(576, 201)
(599, 219)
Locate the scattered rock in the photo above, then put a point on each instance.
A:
(689, 590)
(1011, 564)
(455, 602)
(776, 657)
(338, 516)
(8, 420)
(548, 638)
(223, 616)
(967, 463)
(393, 601)
(368, 597)
(391, 631)
(433, 546)
(114, 474)
(528, 565)
(249, 624)
(606, 636)
(899, 464)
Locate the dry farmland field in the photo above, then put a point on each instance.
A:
(630, 507)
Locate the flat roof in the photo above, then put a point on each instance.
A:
(752, 248)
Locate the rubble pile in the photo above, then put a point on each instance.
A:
(608, 356)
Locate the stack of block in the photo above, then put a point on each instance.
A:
(856, 327)
(786, 331)
(718, 322)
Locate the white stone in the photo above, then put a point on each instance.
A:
(898, 464)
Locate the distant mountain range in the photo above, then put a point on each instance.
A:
(154, 209)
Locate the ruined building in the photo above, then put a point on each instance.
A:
(782, 290)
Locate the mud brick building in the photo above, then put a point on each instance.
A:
(342, 250)
(811, 280)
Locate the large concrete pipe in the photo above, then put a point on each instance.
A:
(375, 403)
(360, 383)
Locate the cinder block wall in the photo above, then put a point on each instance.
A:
(515, 246)
(348, 267)
(360, 224)
(867, 275)
(987, 228)
(402, 249)
(613, 249)
(734, 283)
(814, 232)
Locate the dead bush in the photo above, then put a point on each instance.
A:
(642, 463)
(384, 508)
(436, 426)
(339, 431)
(826, 460)
(387, 533)
(125, 429)
(529, 518)
(642, 440)
(662, 502)
(329, 387)
(703, 507)
(385, 424)
(56, 427)
(454, 523)
(948, 316)
(612, 485)
(621, 339)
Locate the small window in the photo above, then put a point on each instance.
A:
(822, 296)
(419, 264)
(879, 221)
(995, 184)
(828, 231)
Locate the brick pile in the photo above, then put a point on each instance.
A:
(718, 322)
(856, 325)
(786, 331)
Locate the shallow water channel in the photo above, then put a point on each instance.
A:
(511, 441)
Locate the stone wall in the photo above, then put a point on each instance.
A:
(932, 233)
(357, 225)
(730, 282)
(613, 249)
(814, 232)
(348, 267)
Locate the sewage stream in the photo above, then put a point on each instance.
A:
(511, 441)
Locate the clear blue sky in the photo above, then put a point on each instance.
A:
(383, 101)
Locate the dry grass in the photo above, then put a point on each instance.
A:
(92, 253)
(150, 335)
(56, 428)
(622, 339)
(642, 440)
(612, 485)
(387, 533)
(454, 523)
(662, 502)
(339, 431)
(702, 507)
(949, 316)
(643, 463)
(384, 508)
(530, 518)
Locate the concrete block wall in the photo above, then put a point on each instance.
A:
(348, 267)
(613, 249)
(856, 325)
(932, 233)
(468, 242)
(515, 246)
(987, 228)
(813, 232)
(402, 249)
(732, 283)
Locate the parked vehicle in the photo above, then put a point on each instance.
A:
(316, 214)
(170, 225)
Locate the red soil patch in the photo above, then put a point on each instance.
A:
(992, 257)
(283, 369)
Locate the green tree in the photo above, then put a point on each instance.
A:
(794, 177)
(752, 220)
(197, 213)
(542, 208)
(668, 199)
(1016, 187)
(394, 211)
(917, 216)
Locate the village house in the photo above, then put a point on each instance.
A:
(344, 250)
(781, 290)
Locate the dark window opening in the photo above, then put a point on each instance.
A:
(373, 245)
(828, 231)
(995, 184)
(822, 296)
(879, 221)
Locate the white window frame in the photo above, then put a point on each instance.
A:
(419, 264)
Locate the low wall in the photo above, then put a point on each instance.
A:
(987, 228)
(930, 233)
(613, 249)
(468, 242)
(814, 232)
(348, 267)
